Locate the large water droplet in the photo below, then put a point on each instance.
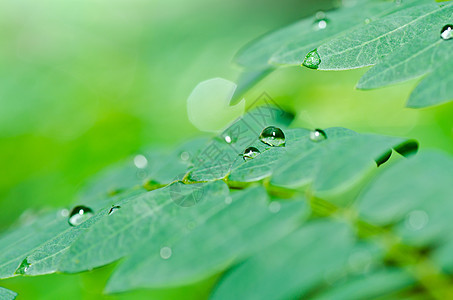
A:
(273, 136)
(140, 161)
(79, 214)
(447, 32)
(23, 268)
(113, 209)
(312, 60)
(165, 252)
(250, 152)
(318, 135)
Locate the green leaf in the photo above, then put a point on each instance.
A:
(436, 88)
(218, 156)
(255, 55)
(337, 23)
(159, 166)
(17, 244)
(293, 266)
(414, 194)
(367, 45)
(418, 57)
(37, 248)
(243, 226)
(139, 219)
(7, 294)
(246, 80)
(369, 286)
(343, 152)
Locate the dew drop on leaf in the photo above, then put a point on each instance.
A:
(250, 152)
(79, 214)
(23, 268)
(273, 136)
(185, 156)
(113, 209)
(416, 220)
(447, 32)
(228, 200)
(320, 21)
(318, 135)
(165, 252)
(140, 161)
(228, 139)
(312, 60)
(274, 207)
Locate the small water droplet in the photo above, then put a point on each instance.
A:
(416, 220)
(250, 152)
(79, 214)
(228, 139)
(447, 32)
(320, 21)
(367, 20)
(228, 200)
(274, 207)
(23, 267)
(318, 135)
(63, 212)
(312, 60)
(273, 136)
(398, 2)
(113, 209)
(191, 225)
(165, 252)
(185, 156)
(141, 174)
(140, 161)
(360, 262)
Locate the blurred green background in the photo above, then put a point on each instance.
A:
(84, 84)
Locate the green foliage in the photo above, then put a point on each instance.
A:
(402, 40)
(267, 233)
(346, 216)
(7, 294)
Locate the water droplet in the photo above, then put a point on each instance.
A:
(320, 21)
(416, 220)
(447, 32)
(185, 156)
(398, 2)
(312, 60)
(165, 252)
(228, 200)
(140, 161)
(142, 174)
(250, 152)
(228, 139)
(113, 209)
(79, 214)
(274, 207)
(63, 212)
(23, 268)
(367, 20)
(273, 136)
(318, 135)
(191, 225)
